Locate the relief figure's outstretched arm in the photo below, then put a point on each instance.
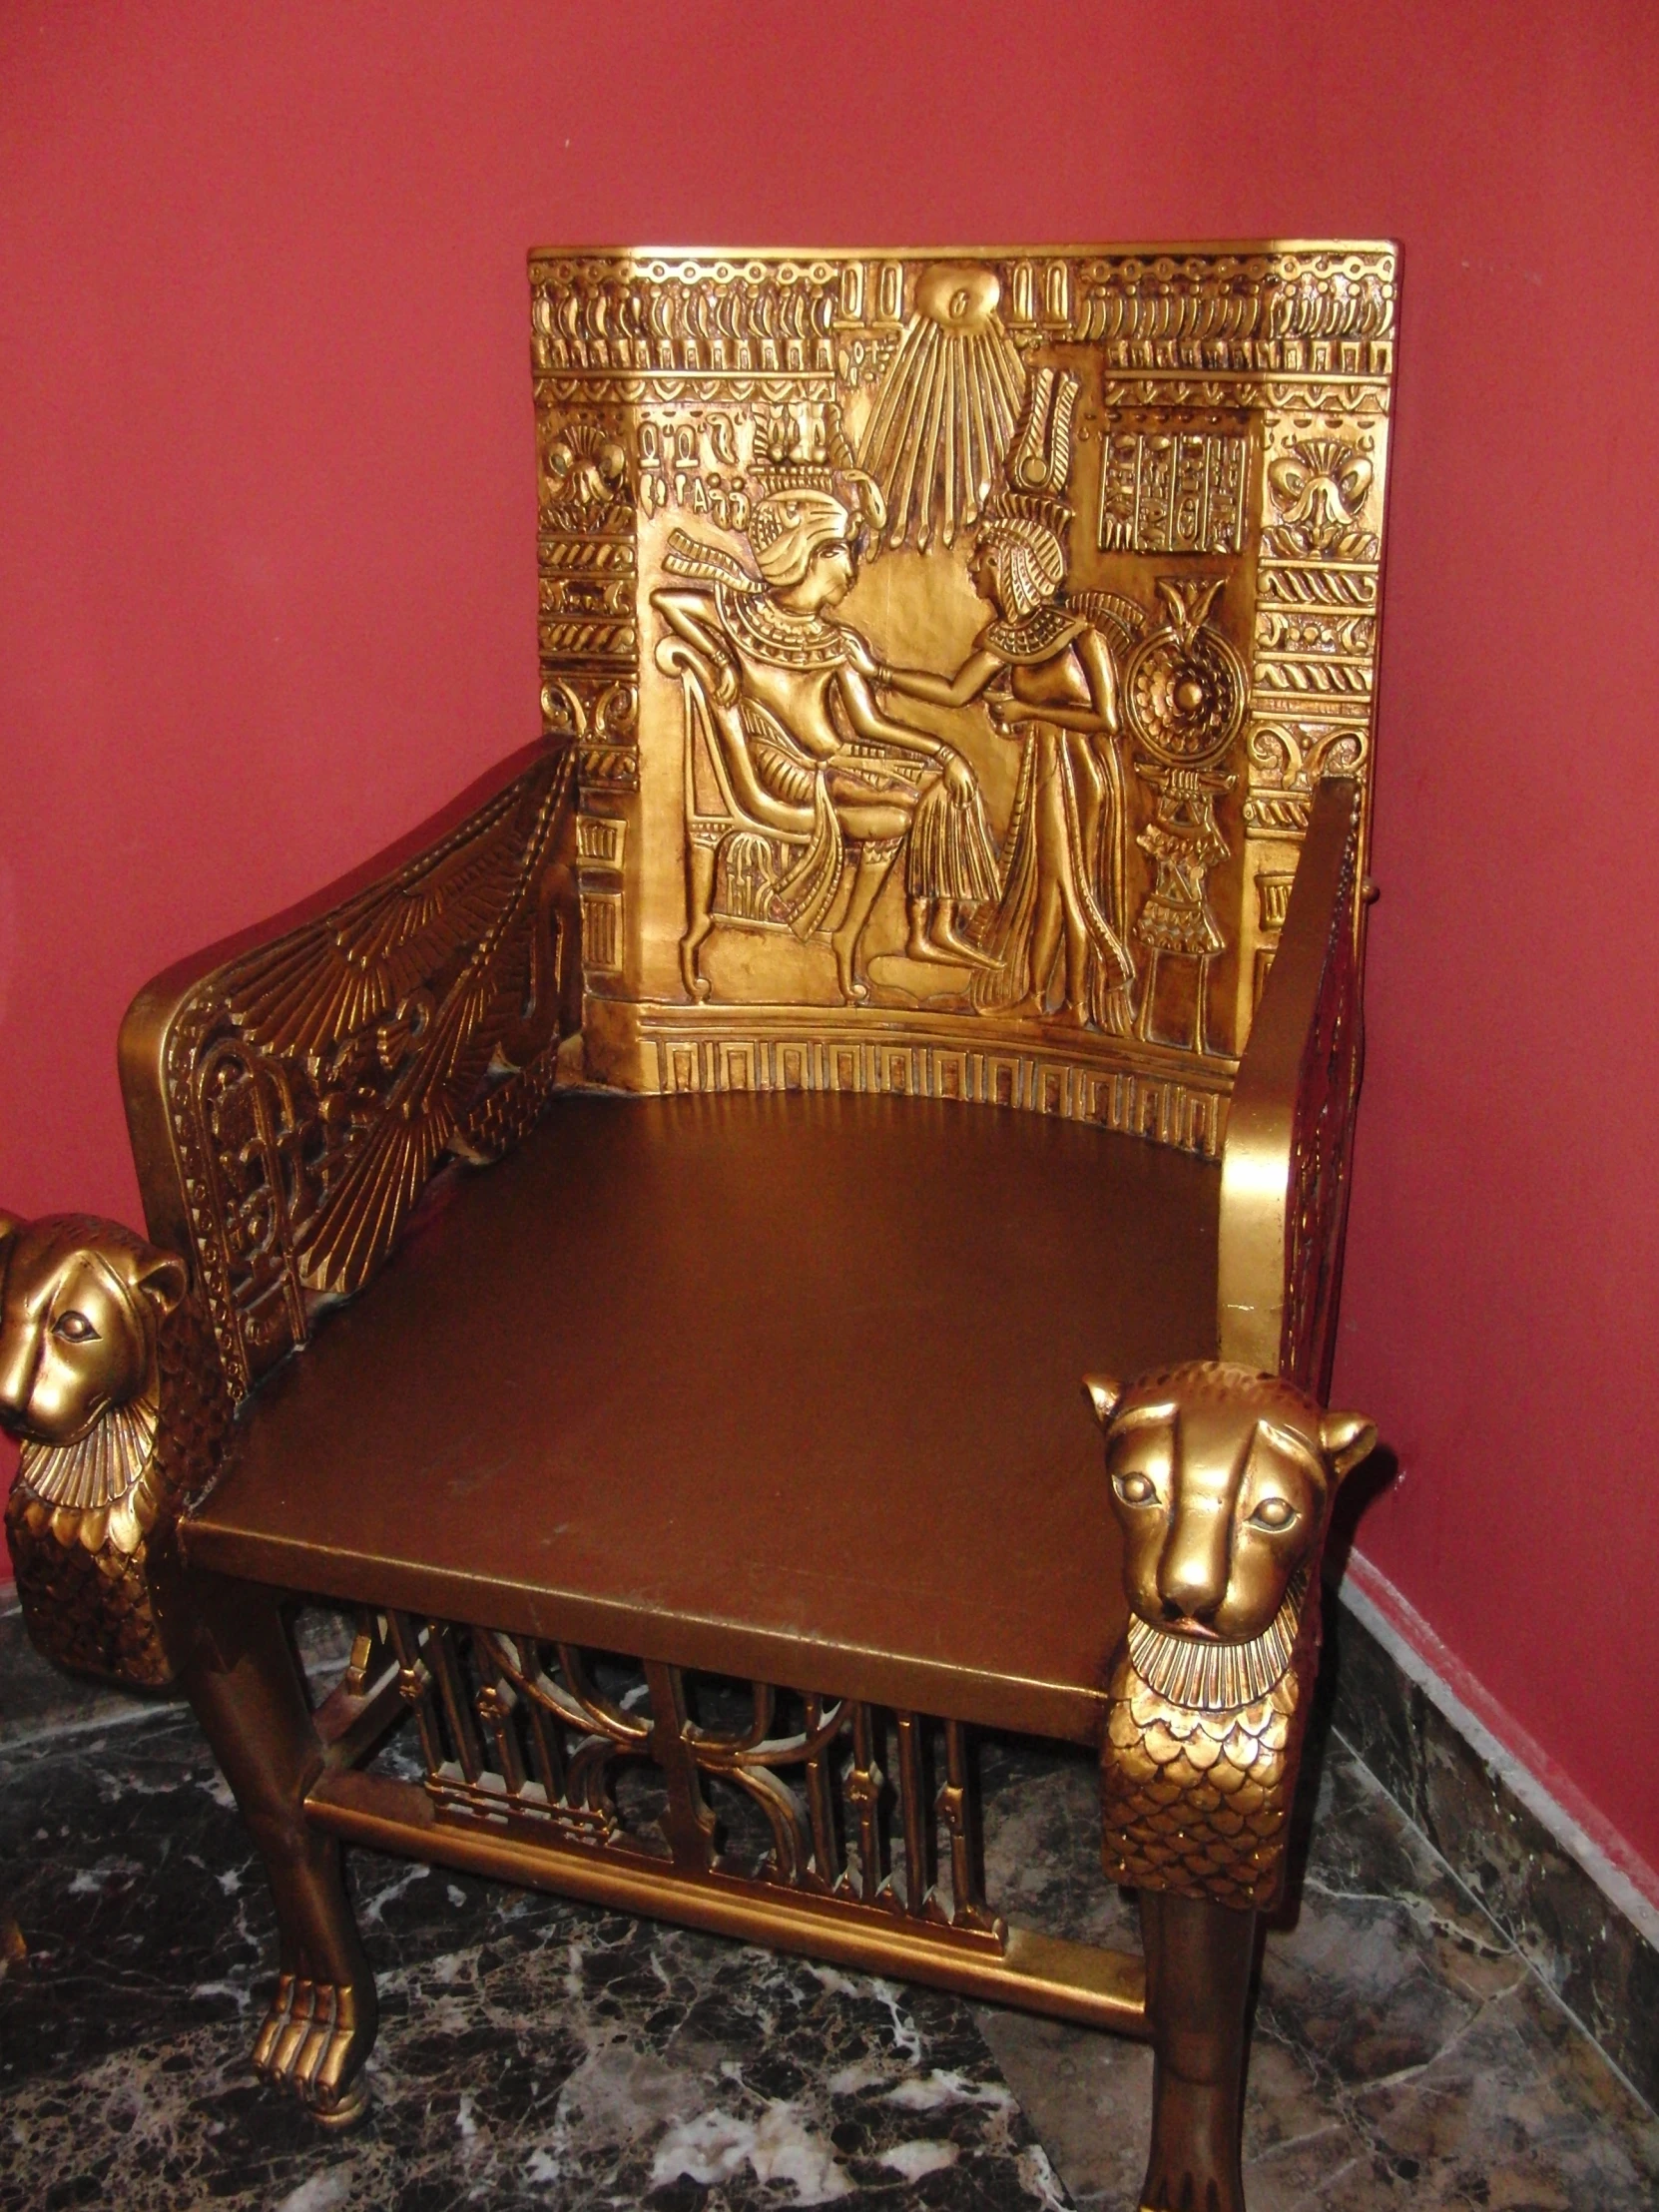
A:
(1099, 717)
(869, 722)
(960, 690)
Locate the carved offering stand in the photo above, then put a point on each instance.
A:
(918, 967)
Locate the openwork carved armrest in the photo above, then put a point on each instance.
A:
(1222, 1481)
(1290, 1126)
(110, 1381)
(291, 1093)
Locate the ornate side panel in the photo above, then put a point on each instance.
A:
(950, 646)
(315, 1086)
(810, 1797)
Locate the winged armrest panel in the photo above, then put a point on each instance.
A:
(292, 1090)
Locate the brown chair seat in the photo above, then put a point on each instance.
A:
(714, 1379)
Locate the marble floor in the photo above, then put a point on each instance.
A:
(537, 2053)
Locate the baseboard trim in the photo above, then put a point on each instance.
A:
(1628, 1883)
(1582, 1920)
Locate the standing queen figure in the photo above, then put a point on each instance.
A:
(1046, 674)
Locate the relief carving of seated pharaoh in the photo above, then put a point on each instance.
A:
(795, 743)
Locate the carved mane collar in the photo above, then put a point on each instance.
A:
(1213, 1677)
(102, 1467)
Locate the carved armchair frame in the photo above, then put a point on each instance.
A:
(291, 1094)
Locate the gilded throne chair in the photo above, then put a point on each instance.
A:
(706, 1473)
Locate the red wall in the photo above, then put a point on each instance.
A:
(266, 586)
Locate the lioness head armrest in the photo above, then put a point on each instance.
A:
(1221, 1480)
(112, 1388)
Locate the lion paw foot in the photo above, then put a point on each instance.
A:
(1189, 2189)
(315, 2039)
(1193, 2166)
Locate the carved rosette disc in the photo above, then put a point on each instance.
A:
(1185, 698)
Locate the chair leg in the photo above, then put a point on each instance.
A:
(1198, 1963)
(244, 1686)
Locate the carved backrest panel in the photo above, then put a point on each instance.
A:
(951, 645)
(311, 1087)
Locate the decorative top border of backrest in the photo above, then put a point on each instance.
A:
(1294, 309)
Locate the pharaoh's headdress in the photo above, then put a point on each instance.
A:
(806, 491)
(1025, 522)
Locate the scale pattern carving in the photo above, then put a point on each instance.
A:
(1221, 1480)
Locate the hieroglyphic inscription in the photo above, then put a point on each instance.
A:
(1178, 491)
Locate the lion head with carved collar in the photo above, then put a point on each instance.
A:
(111, 1384)
(86, 1312)
(1222, 1481)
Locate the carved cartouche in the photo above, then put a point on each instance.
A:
(111, 1384)
(1222, 1481)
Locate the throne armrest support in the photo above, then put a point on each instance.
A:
(289, 1093)
(1222, 1475)
(292, 1090)
(1209, 1691)
(110, 1382)
(1284, 1190)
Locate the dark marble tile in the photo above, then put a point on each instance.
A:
(1042, 1844)
(37, 1698)
(1503, 2115)
(531, 2053)
(1403, 2051)
(1600, 1964)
